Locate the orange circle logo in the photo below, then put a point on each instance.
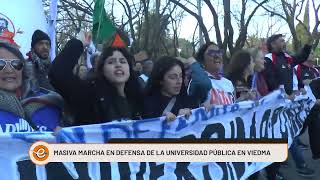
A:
(39, 153)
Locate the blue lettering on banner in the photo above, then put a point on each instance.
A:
(136, 126)
(272, 120)
(107, 131)
(182, 124)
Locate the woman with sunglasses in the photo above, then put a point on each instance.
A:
(207, 82)
(113, 95)
(21, 109)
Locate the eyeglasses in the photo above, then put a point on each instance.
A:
(14, 63)
(213, 52)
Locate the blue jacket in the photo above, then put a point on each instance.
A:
(40, 112)
(200, 83)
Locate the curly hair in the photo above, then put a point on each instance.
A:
(202, 50)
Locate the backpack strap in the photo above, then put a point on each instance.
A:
(170, 105)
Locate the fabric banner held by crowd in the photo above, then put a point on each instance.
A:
(273, 117)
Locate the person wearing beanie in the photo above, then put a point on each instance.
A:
(41, 44)
(38, 63)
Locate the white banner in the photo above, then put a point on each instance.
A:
(272, 118)
(23, 17)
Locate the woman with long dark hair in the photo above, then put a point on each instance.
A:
(165, 91)
(114, 94)
(238, 71)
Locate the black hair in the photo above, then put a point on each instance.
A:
(6, 21)
(239, 61)
(107, 52)
(132, 88)
(77, 68)
(272, 39)
(202, 50)
(161, 67)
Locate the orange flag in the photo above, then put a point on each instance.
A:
(118, 42)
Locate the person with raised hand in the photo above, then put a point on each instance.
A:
(113, 95)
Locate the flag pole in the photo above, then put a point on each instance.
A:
(98, 34)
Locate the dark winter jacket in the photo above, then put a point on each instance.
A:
(89, 101)
(279, 68)
(304, 72)
(154, 105)
(200, 83)
(36, 70)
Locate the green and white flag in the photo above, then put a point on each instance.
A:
(103, 28)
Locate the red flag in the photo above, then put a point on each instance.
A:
(118, 42)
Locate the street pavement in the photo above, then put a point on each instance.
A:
(290, 173)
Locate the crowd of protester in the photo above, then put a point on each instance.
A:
(119, 88)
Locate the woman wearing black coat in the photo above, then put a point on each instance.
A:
(114, 94)
(165, 93)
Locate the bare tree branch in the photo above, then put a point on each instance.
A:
(77, 6)
(201, 24)
(215, 22)
(271, 10)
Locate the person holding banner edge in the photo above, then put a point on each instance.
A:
(279, 70)
(307, 73)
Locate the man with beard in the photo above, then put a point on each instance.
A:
(38, 63)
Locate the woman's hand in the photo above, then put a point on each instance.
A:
(85, 38)
(169, 116)
(186, 112)
(207, 106)
(303, 91)
(253, 95)
(291, 97)
(245, 96)
(307, 82)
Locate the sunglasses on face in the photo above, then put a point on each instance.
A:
(16, 64)
(214, 53)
